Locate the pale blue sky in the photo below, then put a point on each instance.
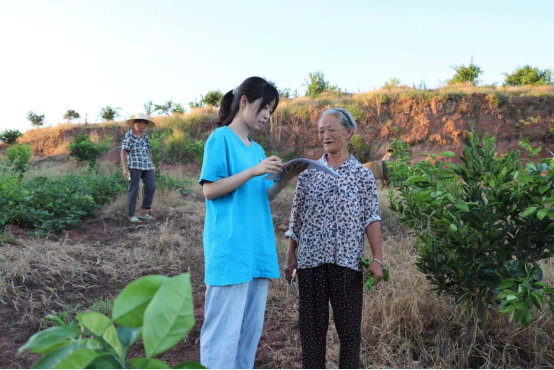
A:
(83, 55)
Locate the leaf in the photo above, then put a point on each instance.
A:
(169, 316)
(106, 361)
(78, 359)
(97, 324)
(54, 318)
(52, 359)
(462, 206)
(543, 189)
(528, 211)
(542, 213)
(524, 316)
(127, 336)
(47, 339)
(130, 304)
(481, 311)
(145, 363)
(506, 284)
(453, 228)
(189, 365)
(386, 275)
(448, 154)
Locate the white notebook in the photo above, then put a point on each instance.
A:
(315, 165)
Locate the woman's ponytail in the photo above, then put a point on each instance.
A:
(225, 107)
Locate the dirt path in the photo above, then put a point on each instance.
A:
(106, 253)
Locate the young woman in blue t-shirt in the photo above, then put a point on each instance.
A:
(239, 240)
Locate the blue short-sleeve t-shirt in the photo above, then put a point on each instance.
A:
(239, 239)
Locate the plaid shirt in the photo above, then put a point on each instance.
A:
(137, 149)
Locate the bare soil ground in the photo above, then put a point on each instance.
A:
(404, 324)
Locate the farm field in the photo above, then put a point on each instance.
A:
(404, 323)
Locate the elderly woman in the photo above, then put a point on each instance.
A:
(329, 218)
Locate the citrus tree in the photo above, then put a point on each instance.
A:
(482, 226)
(156, 308)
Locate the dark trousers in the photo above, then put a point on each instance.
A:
(149, 189)
(344, 288)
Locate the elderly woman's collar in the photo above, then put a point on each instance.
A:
(351, 163)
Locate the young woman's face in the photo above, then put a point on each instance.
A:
(332, 134)
(254, 119)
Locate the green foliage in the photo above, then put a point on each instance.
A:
(369, 279)
(399, 169)
(108, 113)
(528, 122)
(527, 75)
(54, 204)
(148, 108)
(18, 157)
(483, 226)
(157, 308)
(35, 119)
(10, 136)
(195, 104)
(71, 115)
(469, 74)
(83, 149)
(393, 82)
(316, 84)
(212, 98)
(169, 107)
(178, 147)
(358, 148)
(155, 143)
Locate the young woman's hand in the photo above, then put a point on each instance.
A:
(292, 171)
(271, 165)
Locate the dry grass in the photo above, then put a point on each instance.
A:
(404, 323)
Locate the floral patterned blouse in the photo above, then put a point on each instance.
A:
(330, 214)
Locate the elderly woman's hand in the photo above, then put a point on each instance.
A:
(292, 171)
(377, 270)
(291, 264)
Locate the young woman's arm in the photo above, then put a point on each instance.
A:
(216, 189)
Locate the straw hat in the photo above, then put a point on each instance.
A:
(142, 116)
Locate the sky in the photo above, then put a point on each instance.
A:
(83, 55)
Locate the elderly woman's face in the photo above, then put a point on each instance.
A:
(332, 134)
(140, 125)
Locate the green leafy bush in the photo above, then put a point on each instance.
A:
(18, 157)
(482, 226)
(108, 113)
(527, 75)
(53, 204)
(469, 74)
(157, 308)
(212, 98)
(71, 115)
(10, 136)
(316, 84)
(358, 148)
(83, 149)
(35, 119)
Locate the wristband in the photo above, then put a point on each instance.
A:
(379, 262)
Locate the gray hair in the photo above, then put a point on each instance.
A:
(344, 117)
